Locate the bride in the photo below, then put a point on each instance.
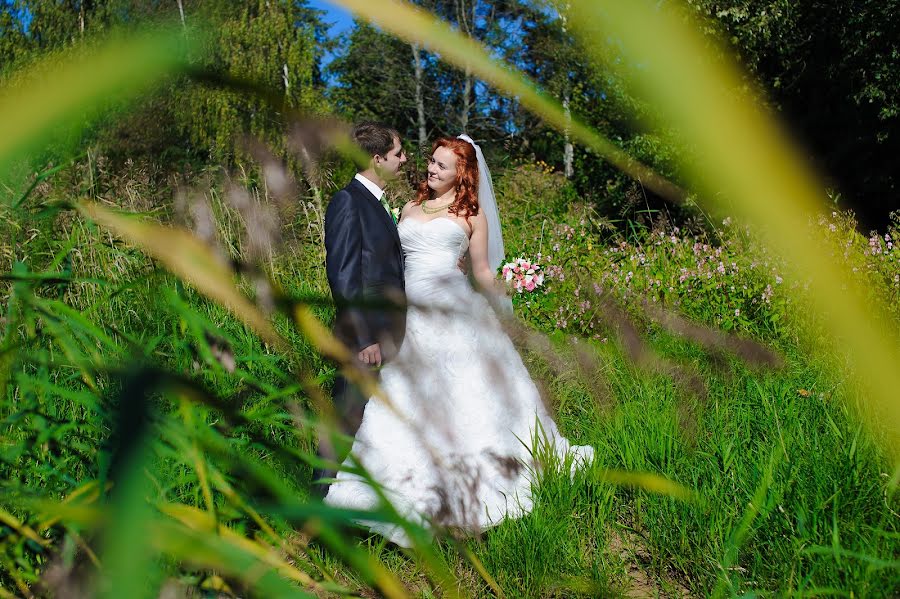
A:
(454, 445)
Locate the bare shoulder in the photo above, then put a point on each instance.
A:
(408, 208)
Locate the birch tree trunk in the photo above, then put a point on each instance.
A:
(420, 94)
(467, 24)
(467, 101)
(568, 148)
(181, 13)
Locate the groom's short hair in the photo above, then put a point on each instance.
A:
(376, 139)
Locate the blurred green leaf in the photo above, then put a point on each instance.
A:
(200, 521)
(649, 482)
(63, 94)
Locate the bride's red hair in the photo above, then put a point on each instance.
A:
(466, 202)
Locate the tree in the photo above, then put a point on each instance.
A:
(833, 70)
(271, 43)
(55, 23)
(266, 43)
(13, 41)
(552, 56)
(379, 77)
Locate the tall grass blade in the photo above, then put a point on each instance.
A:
(199, 521)
(742, 530)
(648, 482)
(211, 551)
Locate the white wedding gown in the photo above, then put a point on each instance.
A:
(456, 449)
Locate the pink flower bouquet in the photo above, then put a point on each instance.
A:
(523, 275)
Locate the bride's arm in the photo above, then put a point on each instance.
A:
(478, 254)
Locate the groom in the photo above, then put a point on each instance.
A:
(364, 264)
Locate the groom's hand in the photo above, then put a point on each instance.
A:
(371, 355)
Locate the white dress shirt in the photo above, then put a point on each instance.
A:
(376, 191)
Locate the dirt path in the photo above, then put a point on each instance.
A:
(631, 550)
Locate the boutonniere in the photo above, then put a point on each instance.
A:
(395, 212)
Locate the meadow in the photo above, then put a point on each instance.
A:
(676, 352)
(165, 355)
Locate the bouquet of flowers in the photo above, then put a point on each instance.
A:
(523, 275)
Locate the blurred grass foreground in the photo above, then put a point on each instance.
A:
(734, 361)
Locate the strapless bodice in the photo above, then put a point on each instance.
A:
(432, 248)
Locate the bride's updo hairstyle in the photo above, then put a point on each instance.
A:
(466, 203)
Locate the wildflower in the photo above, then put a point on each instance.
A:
(737, 312)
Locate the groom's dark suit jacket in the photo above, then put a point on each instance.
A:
(364, 262)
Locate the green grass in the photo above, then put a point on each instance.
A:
(790, 500)
(148, 437)
(792, 496)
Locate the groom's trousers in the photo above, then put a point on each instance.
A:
(349, 406)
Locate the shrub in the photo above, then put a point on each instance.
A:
(724, 277)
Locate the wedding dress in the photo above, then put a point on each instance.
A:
(454, 447)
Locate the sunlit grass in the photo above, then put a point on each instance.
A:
(204, 404)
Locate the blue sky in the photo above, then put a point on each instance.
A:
(340, 19)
